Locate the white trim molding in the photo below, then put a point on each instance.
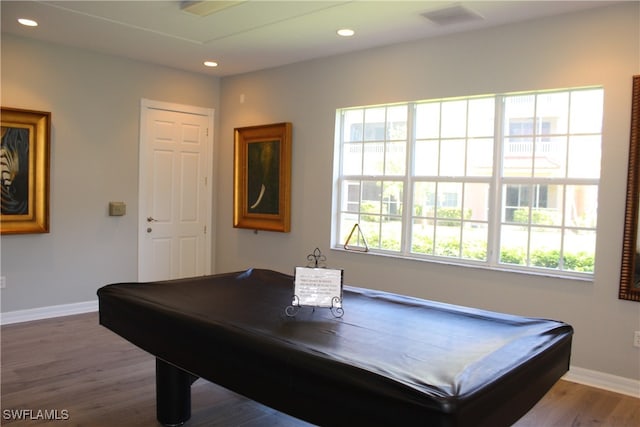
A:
(39, 313)
(603, 381)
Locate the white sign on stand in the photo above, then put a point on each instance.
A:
(317, 287)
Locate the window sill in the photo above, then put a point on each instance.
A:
(585, 278)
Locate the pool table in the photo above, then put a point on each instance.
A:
(390, 360)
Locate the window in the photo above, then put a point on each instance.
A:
(501, 181)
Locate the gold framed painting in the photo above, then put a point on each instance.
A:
(262, 177)
(24, 171)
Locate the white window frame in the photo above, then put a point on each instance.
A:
(496, 184)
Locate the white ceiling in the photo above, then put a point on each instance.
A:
(254, 34)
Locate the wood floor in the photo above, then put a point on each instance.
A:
(72, 369)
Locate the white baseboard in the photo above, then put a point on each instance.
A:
(588, 377)
(603, 381)
(20, 316)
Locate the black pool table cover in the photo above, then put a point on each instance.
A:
(391, 360)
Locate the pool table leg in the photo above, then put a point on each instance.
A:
(173, 394)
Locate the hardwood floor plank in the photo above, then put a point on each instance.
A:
(73, 364)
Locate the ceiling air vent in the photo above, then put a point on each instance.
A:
(452, 15)
(205, 8)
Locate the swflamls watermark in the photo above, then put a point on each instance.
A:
(35, 414)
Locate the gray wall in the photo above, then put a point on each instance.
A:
(95, 104)
(597, 47)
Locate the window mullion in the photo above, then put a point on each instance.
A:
(495, 191)
(339, 177)
(407, 193)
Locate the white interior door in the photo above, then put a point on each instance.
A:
(176, 153)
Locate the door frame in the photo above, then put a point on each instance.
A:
(145, 106)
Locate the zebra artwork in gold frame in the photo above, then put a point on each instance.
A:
(24, 171)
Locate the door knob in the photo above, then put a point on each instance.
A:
(149, 229)
(150, 219)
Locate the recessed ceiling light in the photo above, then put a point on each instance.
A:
(346, 32)
(210, 63)
(27, 22)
